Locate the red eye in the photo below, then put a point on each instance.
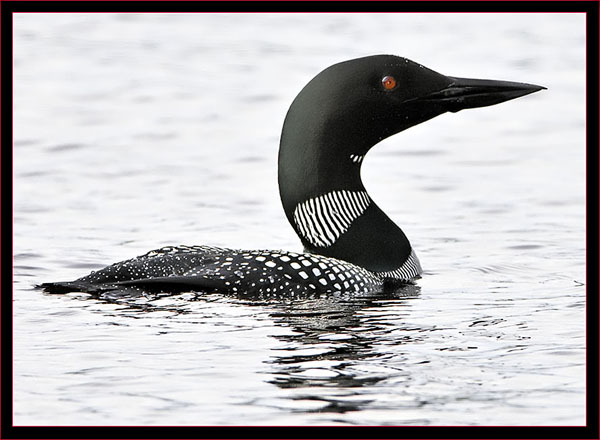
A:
(388, 82)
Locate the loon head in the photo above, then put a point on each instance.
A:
(351, 106)
(334, 121)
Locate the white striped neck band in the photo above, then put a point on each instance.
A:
(322, 220)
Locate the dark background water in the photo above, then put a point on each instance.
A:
(138, 131)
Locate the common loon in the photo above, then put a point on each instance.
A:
(350, 245)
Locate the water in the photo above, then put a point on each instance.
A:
(138, 131)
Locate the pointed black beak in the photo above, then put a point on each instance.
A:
(464, 93)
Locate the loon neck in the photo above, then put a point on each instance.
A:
(328, 206)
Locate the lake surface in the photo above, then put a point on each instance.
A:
(135, 131)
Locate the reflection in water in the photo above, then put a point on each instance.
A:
(330, 334)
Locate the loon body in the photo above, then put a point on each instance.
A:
(349, 243)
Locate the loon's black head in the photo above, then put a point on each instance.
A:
(352, 105)
(368, 99)
(334, 121)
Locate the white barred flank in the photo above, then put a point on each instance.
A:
(409, 270)
(322, 220)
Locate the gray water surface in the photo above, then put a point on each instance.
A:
(135, 131)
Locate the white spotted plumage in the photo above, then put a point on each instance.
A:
(252, 272)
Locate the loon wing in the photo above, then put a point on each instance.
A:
(179, 283)
(135, 288)
(164, 267)
(202, 268)
(174, 284)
